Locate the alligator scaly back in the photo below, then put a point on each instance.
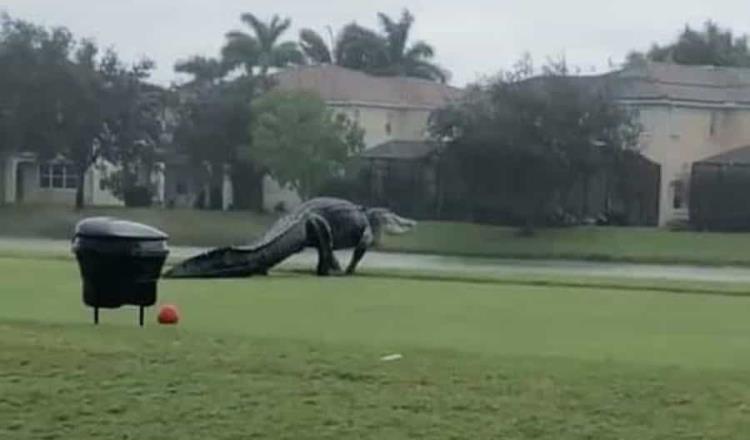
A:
(325, 223)
(285, 238)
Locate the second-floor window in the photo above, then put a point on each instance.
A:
(57, 176)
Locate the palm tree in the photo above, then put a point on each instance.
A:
(355, 47)
(203, 70)
(385, 54)
(407, 60)
(261, 49)
(315, 48)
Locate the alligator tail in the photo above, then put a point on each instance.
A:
(244, 261)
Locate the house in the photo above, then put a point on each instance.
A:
(388, 108)
(24, 179)
(27, 179)
(688, 114)
(392, 111)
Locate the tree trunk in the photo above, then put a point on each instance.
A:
(440, 190)
(79, 195)
(80, 203)
(585, 200)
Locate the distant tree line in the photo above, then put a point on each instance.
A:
(711, 46)
(515, 144)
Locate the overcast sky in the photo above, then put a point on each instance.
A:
(472, 37)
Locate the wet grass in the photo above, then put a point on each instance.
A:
(185, 226)
(209, 228)
(728, 287)
(636, 245)
(295, 356)
(72, 381)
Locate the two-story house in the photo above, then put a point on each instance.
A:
(688, 114)
(393, 111)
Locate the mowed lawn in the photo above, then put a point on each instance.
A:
(295, 356)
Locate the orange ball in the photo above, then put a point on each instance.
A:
(168, 314)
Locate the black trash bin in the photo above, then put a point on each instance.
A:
(120, 263)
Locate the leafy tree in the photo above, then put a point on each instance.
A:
(299, 141)
(387, 53)
(34, 62)
(710, 46)
(261, 50)
(213, 122)
(521, 140)
(215, 107)
(64, 100)
(133, 123)
(212, 130)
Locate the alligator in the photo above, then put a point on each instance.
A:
(325, 223)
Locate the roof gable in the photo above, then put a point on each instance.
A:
(341, 85)
(699, 84)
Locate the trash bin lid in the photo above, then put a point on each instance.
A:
(108, 227)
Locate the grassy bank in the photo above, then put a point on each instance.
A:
(299, 357)
(184, 226)
(205, 228)
(638, 245)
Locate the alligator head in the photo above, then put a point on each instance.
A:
(385, 220)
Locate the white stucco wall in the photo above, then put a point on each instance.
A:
(94, 195)
(405, 123)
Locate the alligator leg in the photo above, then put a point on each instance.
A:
(365, 241)
(323, 240)
(359, 252)
(330, 256)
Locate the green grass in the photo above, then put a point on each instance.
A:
(644, 245)
(205, 228)
(295, 356)
(184, 226)
(520, 278)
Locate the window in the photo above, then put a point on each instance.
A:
(57, 176)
